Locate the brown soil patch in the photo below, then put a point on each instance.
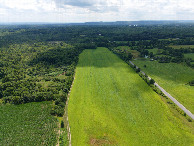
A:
(100, 142)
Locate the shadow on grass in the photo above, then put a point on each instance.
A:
(100, 58)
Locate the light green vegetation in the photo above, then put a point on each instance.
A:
(189, 55)
(169, 39)
(27, 124)
(135, 53)
(111, 104)
(165, 39)
(161, 55)
(63, 139)
(173, 78)
(121, 41)
(155, 51)
(63, 136)
(181, 46)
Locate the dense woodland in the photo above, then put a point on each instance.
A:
(37, 62)
(31, 73)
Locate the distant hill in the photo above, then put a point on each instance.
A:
(132, 23)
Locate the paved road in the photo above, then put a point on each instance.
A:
(175, 101)
(169, 96)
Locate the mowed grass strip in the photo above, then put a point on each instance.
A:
(111, 105)
(173, 78)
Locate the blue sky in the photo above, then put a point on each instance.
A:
(94, 10)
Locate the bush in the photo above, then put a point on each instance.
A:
(152, 81)
(189, 119)
(57, 111)
(137, 70)
(62, 124)
(16, 100)
(191, 83)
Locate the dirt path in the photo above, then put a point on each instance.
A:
(169, 96)
(65, 117)
(66, 114)
(58, 135)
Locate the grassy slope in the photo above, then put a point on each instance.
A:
(172, 77)
(27, 124)
(111, 104)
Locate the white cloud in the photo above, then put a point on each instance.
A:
(20, 4)
(95, 10)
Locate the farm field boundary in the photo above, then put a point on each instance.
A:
(66, 114)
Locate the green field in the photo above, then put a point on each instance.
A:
(173, 78)
(111, 105)
(181, 46)
(189, 55)
(135, 53)
(155, 51)
(27, 124)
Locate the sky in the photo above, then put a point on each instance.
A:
(68, 11)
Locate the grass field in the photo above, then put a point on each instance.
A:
(27, 124)
(135, 53)
(189, 55)
(155, 51)
(111, 105)
(172, 77)
(181, 46)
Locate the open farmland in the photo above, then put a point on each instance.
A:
(173, 78)
(111, 104)
(27, 124)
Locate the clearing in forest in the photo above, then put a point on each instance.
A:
(111, 104)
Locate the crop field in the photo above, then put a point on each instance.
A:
(27, 124)
(173, 78)
(111, 105)
(181, 46)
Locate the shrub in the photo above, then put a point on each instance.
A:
(57, 111)
(137, 70)
(152, 81)
(62, 124)
(191, 83)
